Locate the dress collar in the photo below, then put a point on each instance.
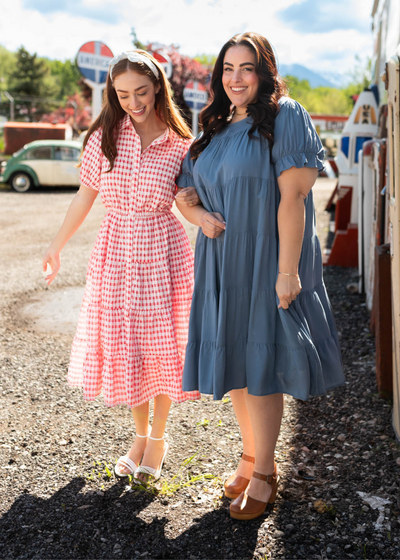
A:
(126, 122)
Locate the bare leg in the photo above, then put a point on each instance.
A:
(154, 449)
(238, 398)
(266, 416)
(141, 418)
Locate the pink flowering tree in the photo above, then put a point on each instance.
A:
(184, 70)
(76, 111)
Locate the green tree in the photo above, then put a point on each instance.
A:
(331, 100)
(7, 66)
(29, 73)
(65, 77)
(32, 86)
(361, 74)
(207, 60)
(321, 99)
(360, 77)
(136, 43)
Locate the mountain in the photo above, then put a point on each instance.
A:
(315, 80)
(338, 80)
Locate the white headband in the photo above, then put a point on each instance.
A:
(134, 57)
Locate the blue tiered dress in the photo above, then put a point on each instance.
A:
(237, 335)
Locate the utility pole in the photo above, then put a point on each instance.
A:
(11, 100)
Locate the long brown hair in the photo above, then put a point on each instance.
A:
(263, 110)
(112, 112)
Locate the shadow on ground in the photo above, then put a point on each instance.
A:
(110, 524)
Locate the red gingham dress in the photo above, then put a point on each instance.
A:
(133, 325)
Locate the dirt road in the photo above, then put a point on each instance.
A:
(58, 496)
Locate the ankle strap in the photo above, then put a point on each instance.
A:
(248, 458)
(137, 435)
(270, 478)
(157, 438)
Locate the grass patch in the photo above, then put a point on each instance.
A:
(100, 470)
(103, 471)
(182, 479)
(204, 422)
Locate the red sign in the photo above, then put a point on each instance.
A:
(92, 60)
(165, 62)
(195, 95)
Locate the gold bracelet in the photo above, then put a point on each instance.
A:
(288, 274)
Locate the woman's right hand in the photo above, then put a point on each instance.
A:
(51, 258)
(187, 197)
(212, 224)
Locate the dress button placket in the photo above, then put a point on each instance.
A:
(132, 195)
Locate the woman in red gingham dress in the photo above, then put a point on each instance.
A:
(133, 326)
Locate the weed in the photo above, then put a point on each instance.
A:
(331, 511)
(108, 470)
(182, 479)
(204, 422)
(100, 470)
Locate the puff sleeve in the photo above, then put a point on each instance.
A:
(92, 156)
(296, 142)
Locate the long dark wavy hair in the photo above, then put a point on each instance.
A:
(263, 110)
(112, 112)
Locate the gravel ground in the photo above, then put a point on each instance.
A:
(58, 496)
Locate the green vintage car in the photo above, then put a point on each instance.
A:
(42, 163)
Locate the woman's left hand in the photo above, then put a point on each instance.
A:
(287, 289)
(188, 197)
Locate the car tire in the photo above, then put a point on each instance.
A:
(21, 182)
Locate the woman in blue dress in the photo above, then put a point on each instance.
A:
(261, 323)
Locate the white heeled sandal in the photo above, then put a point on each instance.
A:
(126, 462)
(154, 474)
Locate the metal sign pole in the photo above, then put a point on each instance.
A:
(195, 122)
(196, 96)
(97, 97)
(92, 60)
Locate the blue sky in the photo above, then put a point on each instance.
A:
(312, 16)
(324, 35)
(73, 7)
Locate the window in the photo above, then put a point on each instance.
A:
(39, 153)
(359, 144)
(64, 153)
(345, 145)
